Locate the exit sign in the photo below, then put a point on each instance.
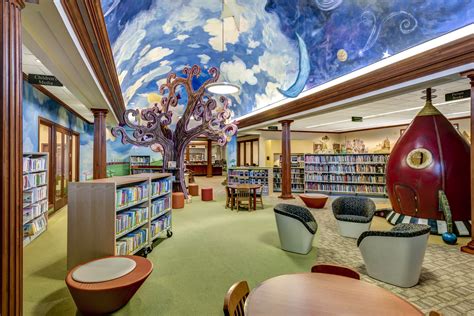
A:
(457, 95)
(357, 119)
(273, 128)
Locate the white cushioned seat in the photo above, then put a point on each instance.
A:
(104, 270)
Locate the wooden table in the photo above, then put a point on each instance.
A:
(249, 187)
(323, 294)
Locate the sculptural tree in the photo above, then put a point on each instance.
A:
(152, 126)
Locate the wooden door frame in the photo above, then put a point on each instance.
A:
(52, 140)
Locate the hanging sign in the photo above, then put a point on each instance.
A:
(44, 80)
(357, 119)
(457, 95)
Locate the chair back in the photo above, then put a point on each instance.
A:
(235, 299)
(435, 313)
(227, 191)
(243, 194)
(336, 270)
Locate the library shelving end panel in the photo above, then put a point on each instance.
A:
(91, 222)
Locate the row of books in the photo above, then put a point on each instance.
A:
(131, 242)
(295, 187)
(376, 158)
(139, 160)
(33, 164)
(345, 188)
(346, 168)
(34, 227)
(34, 210)
(33, 180)
(262, 181)
(34, 195)
(160, 205)
(249, 173)
(160, 187)
(130, 195)
(292, 170)
(345, 178)
(130, 218)
(161, 224)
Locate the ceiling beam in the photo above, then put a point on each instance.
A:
(87, 19)
(444, 57)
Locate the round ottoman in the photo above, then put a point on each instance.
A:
(177, 200)
(105, 285)
(314, 200)
(206, 194)
(193, 189)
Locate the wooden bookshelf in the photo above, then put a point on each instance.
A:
(35, 195)
(118, 215)
(137, 162)
(251, 175)
(354, 174)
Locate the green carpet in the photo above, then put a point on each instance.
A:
(210, 250)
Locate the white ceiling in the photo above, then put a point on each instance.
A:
(32, 65)
(395, 110)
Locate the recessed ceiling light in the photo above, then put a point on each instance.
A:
(37, 60)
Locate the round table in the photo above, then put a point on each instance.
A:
(323, 294)
(251, 187)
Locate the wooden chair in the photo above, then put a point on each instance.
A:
(260, 196)
(435, 313)
(335, 269)
(235, 299)
(229, 198)
(242, 198)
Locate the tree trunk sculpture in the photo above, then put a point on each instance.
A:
(153, 127)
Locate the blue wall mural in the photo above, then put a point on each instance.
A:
(264, 55)
(36, 104)
(232, 152)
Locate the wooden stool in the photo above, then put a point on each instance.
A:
(206, 194)
(108, 283)
(314, 200)
(177, 200)
(193, 189)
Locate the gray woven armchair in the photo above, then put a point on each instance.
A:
(353, 214)
(296, 227)
(395, 256)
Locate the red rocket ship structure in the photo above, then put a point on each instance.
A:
(430, 156)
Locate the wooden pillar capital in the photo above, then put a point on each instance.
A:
(100, 145)
(286, 160)
(469, 248)
(209, 158)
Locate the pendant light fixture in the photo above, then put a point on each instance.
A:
(223, 87)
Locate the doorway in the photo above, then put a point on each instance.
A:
(62, 144)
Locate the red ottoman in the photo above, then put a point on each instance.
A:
(314, 200)
(95, 297)
(206, 194)
(177, 200)
(193, 189)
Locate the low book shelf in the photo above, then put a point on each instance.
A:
(117, 216)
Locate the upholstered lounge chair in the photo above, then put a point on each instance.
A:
(395, 256)
(353, 214)
(296, 227)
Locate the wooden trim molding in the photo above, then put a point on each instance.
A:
(448, 56)
(87, 19)
(286, 160)
(56, 99)
(11, 221)
(100, 145)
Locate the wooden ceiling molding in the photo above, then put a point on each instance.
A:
(457, 53)
(87, 19)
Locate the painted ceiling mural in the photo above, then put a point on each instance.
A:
(274, 49)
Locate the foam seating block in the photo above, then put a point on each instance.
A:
(105, 285)
(206, 194)
(177, 200)
(314, 200)
(353, 215)
(193, 189)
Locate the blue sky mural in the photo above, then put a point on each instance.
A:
(150, 39)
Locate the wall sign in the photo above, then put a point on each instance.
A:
(44, 80)
(457, 95)
(357, 119)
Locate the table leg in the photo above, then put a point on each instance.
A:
(255, 199)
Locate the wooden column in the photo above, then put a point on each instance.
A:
(100, 146)
(11, 228)
(209, 158)
(469, 248)
(286, 160)
(188, 156)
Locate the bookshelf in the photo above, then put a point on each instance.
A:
(297, 173)
(355, 174)
(35, 196)
(118, 216)
(251, 175)
(142, 164)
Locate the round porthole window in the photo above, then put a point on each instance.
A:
(419, 158)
